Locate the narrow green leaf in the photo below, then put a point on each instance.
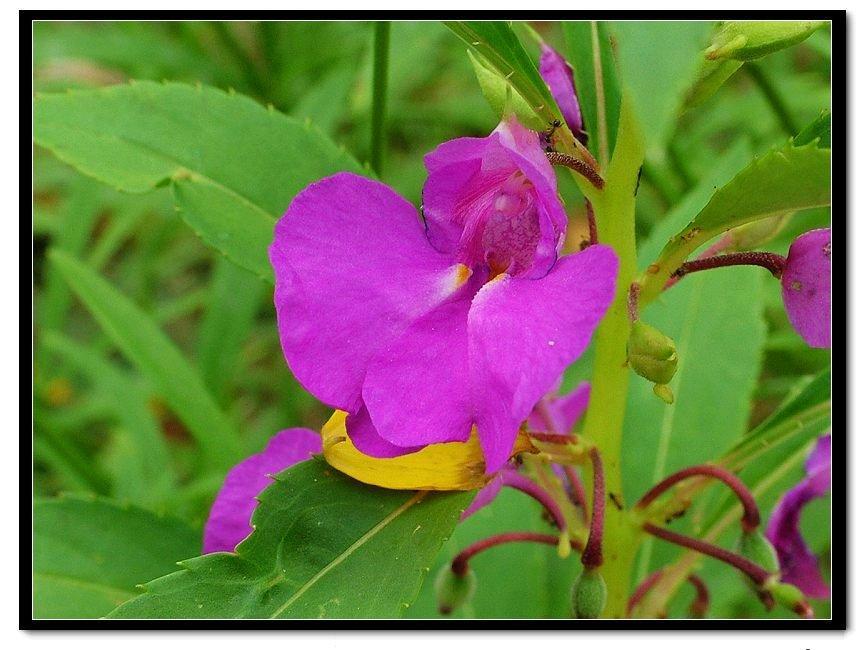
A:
(89, 554)
(820, 130)
(590, 53)
(784, 180)
(152, 480)
(141, 340)
(808, 407)
(496, 43)
(324, 546)
(234, 165)
(658, 60)
(235, 295)
(499, 95)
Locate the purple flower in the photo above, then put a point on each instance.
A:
(799, 566)
(421, 333)
(806, 285)
(229, 521)
(559, 77)
(554, 414)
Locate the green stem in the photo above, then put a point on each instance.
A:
(381, 44)
(773, 97)
(615, 211)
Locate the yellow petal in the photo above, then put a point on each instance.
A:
(445, 466)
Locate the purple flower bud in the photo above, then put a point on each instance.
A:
(806, 284)
(559, 77)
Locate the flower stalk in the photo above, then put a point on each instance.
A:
(593, 555)
(770, 261)
(751, 515)
(758, 575)
(460, 566)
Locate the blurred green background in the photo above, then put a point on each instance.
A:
(92, 408)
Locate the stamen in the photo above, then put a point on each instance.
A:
(751, 516)
(593, 224)
(642, 589)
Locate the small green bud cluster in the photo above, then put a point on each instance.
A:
(653, 355)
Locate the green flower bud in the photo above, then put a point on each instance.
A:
(664, 392)
(501, 96)
(751, 39)
(790, 597)
(453, 590)
(588, 595)
(651, 354)
(754, 546)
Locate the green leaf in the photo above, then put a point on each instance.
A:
(234, 165)
(235, 295)
(784, 180)
(497, 45)
(542, 589)
(324, 546)
(499, 95)
(710, 78)
(744, 40)
(158, 359)
(89, 554)
(658, 59)
(590, 53)
(806, 408)
(147, 476)
(820, 130)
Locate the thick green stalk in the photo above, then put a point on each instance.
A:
(381, 46)
(614, 209)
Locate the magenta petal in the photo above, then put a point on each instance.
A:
(563, 410)
(807, 287)
(353, 268)
(799, 566)
(367, 440)
(559, 77)
(484, 496)
(417, 389)
(523, 334)
(228, 522)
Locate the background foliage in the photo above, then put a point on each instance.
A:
(157, 362)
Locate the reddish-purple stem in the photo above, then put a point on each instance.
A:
(582, 168)
(700, 604)
(724, 242)
(751, 516)
(756, 573)
(459, 564)
(773, 263)
(593, 555)
(524, 484)
(578, 492)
